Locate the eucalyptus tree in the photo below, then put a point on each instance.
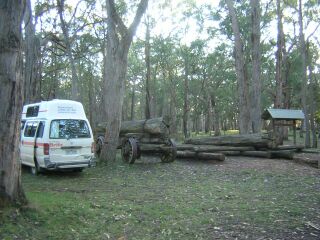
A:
(186, 91)
(133, 107)
(243, 85)
(67, 42)
(302, 47)
(256, 65)
(11, 97)
(32, 63)
(119, 39)
(167, 64)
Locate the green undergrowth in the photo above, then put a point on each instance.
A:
(181, 200)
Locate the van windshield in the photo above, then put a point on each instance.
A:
(69, 128)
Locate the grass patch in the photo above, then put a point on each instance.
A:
(181, 200)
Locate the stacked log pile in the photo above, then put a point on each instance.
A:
(151, 131)
(148, 136)
(251, 145)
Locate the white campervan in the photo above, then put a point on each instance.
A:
(56, 135)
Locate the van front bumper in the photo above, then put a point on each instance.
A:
(65, 165)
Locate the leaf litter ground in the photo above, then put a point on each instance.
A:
(241, 198)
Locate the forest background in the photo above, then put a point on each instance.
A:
(181, 62)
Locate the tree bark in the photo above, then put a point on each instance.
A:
(243, 92)
(32, 59)
(11, 97)
(256, 67)
(304, 77)
(119, 39)
(67, 41)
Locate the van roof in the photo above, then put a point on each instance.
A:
(54, 109)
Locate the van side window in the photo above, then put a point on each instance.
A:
(23, 122)
(40, 130)
(32, 111)
(30, 130)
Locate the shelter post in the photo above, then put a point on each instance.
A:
(294, 133)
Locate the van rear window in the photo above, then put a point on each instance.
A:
(69, 128)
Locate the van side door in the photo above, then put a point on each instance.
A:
(28, 142)
(39, 142)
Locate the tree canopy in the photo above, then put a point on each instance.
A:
(182, 59)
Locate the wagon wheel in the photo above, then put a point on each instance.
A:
(99, 144)
(169, 156)
(129, 150)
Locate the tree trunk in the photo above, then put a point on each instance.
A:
(278, 102)
(32, 59)
(279, 55)
(11, 97)
(216, 116)
(244, 105)
(304, 77)
(119, 39)
(75, 81)
(312, 95)
(92, 104)
(208, 115)
(148, 71)
(256, 67)
(186, 95)
(133, 101)
(173, 105)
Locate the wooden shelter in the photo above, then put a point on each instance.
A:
(283, 117)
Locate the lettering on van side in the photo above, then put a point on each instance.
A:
(55, 145)
(67, 109)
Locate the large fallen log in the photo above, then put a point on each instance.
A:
(262, 154)
(201, 155)
(254, 140)
(147, 127)
(287, 154)
(297, 148)
(211, 148)
(154, 148)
